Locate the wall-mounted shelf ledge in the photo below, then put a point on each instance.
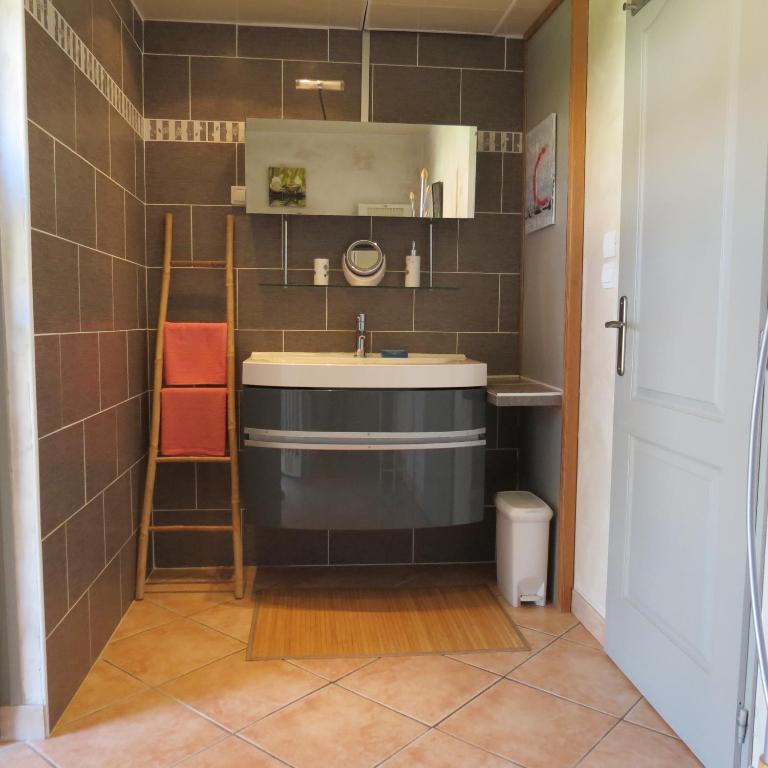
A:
(517, 391)
(363, 287)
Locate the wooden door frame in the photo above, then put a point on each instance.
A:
(574, 265)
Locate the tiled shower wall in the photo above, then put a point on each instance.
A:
(89, 294)
(199, 72)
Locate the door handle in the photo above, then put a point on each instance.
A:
(620, 325)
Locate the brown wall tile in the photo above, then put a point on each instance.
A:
(473, 307)
(124, 288)
(327, 237)
(95, 290)
(515, 54)
(110, 216)
(179, 173)
(175, 486)
(128, 572)
(137, 362)
(445, 246)
(493, 101)
(414, 95)
(48, 383)
(499, 350)
(85, 548)
(78, 16)
(75, 197)
(344, 45)
(282, 43)
(54, 284)
(182, 232)
(394, 47)
(62, 484)
(490, 243)
(138, 29)
(133, 78)
(166, 86)
(198, 296)
(55, 577)
(459, 543)
(118, 515)
(233, 89)
(192, 549)
(123, 151)
(107, 38)
(50, 84)
(509, 312)
(113, 361)
(213, 486)
(189, 38)
(268, 307)
(321, 341)
(135, 236)
(41, 180)
(305, 105)
(92, 123)
(395, 236)
(100, 451)
(384, 310)
(512, 200)
(140, 181)
(131, 442)
(488, 182)
(415, 341)
(79, 375)
(105, 606)
(469, 51)
(68, 656)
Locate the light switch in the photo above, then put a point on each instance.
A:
(609, 244)
(237, 196)
(609, 277)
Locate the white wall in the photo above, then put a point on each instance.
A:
(547, 90)
(22, 686)
(605, 104)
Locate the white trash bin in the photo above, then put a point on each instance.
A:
(522, 546)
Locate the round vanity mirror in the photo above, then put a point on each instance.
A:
(364, 263)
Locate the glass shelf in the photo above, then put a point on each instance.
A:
(368, 287)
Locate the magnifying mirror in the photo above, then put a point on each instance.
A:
(364, 263)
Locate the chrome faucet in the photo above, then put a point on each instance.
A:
(360, 338)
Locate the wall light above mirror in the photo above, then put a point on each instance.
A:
(360, 169)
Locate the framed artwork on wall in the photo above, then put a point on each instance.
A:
(287, 187)
(540, 174)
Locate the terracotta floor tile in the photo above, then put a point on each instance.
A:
(438, 750)
(146, 731)
(164, 653)
(234, 692)
(580, 634)
(231, 753)
(527, 726)
(332, 669)
(503, 662)
(142, 615)
(188, 603)
(333, 727)
(644, 714)
(546, 619)
(21, 756)
(104, 685)
(427, 688)
(233, 618)
(632, 745)
(582, 674)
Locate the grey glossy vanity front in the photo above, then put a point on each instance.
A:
(363, 458)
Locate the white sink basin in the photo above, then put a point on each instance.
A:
(339, 370)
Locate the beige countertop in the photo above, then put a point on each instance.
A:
(517, 391)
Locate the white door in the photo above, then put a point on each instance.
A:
(692, 259)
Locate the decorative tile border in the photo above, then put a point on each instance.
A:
(232, 131)
(218, 131)
(500, 141)
(56, 26)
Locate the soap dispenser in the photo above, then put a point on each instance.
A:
(413, 268)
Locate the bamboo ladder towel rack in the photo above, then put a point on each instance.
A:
(155, 457)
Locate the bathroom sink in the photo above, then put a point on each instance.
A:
(339, 370)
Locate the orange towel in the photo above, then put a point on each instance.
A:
(193, 421)
(195, 353)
